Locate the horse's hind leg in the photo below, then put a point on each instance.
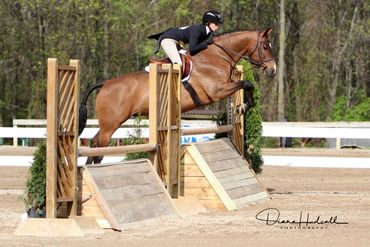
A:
(94, 143)
(101, 139)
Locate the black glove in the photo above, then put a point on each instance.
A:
(210, 40)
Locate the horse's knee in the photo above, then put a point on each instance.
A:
(248, 85)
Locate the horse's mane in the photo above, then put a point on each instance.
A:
(234, 31)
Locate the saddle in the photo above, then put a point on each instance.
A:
(185, 59)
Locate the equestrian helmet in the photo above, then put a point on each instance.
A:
(212, 16)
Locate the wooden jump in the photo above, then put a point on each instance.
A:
(125, 193)
(62, 137)
(218, 176)
(164, 147)
(215, 172)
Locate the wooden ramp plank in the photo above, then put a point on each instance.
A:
(240, 202)
(236, 177)
(129, 192)
(142, 212)
(227, 172)
(240, 183)
(122, 181)
(113, 170)
(232, 171)
(227, 164)
(244, 191)
(214, 146)
(220, 156)
(148, 202)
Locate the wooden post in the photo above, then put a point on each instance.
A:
(237, 121)
(337, 143)
(177, 138)
(173, 129)
(153, 112)
(164, 118)
(62, 136)
(51, 146)
(15, 139)
(74, 148)
(170, 104)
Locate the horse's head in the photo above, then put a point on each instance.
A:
(261, 54)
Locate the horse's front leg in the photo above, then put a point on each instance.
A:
(230, 88)
(248, 86)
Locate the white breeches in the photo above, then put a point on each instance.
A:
(169, 46)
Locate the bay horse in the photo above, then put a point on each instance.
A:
(124, 96)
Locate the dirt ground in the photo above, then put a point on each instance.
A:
(328, 193)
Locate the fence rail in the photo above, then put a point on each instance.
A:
(36, 129)
(287, 157)
(353, 130)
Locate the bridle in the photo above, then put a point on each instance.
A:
(248, 57)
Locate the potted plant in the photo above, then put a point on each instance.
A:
(34, 195)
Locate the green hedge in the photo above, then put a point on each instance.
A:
(34, 195)
(253, 125)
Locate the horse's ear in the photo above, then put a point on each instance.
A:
(267, 33)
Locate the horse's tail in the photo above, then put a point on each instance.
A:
(83, 109)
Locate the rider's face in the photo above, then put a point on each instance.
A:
(213, 26)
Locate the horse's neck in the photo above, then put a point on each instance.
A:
(238, 42)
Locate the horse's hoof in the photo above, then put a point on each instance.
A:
(241, 109)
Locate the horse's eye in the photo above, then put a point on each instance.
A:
(266, 45)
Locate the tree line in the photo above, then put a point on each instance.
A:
(326, 74)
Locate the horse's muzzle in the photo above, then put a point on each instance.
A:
(269, 70)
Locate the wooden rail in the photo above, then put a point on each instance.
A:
(207, 130)
(17, 151)
(116, 150)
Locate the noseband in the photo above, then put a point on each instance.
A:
(248, 57)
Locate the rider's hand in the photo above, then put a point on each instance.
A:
(210, 40)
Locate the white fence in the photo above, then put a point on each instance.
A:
(31, 129)
(336, 130)
(329, 158)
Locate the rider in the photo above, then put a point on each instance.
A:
(197, 36)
